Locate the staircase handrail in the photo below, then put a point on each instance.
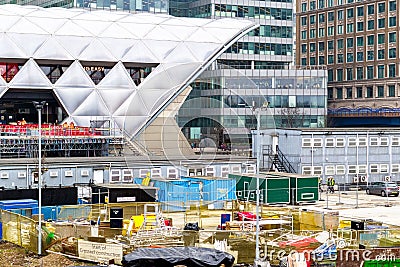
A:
(282, 158)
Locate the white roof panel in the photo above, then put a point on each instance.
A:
(179, 46)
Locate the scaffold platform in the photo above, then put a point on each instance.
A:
(22, 141)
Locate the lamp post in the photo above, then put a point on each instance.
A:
(258, 143)
(39, 107)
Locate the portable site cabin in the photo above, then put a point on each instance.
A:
(277, 188)
(274, 190)
(303, 188)
(180, 194)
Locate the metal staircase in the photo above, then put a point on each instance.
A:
(275, 160)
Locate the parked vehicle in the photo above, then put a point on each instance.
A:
(383, 189)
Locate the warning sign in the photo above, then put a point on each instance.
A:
(100, 252)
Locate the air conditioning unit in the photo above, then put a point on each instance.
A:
(387, 178)
(54, 174)
(4, 175)
(356, 179)
(364, 179)
(84, 173)
(69, 173)
(21, 174)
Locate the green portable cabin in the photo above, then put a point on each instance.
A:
(303, 188)
(274, 190)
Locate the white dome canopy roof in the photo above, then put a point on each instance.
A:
(180, 48)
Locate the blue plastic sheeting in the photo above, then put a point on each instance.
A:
(18, 204)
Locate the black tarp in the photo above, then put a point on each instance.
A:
(171, 256)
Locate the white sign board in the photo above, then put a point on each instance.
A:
(100, 252)
(126, 199)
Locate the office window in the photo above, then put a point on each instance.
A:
(370, 39)
(392, 5)
(371, 9)
(339, 93)
(349, 92)
(392, 52)
(312, 47)
(392, 37)
(312, 33)
(381, 71)
(321, 46)
(359, 92)
(374, 168)
(331, 59)
(381, 91)
(362, 141)
(340, 29)
(350, 27)
(392, 70)
(330, 142)
(303, 21)
(370, 72)
(339, 73)
(381, 38)
(374, 141)
(306, 170)
(312, 61)
(360, 41)
(321, 3)
(321, 18)
(303, 7)
(340, 169)
(352, 141)
(304, 61)
(381, 7)
(330, 79)
(371, 24)
(340, 142)
(331, 16)
(360, 73)
(370, 55)
(330, 170)
(321, 60)
(360, 11)
(391, 90)
(303, 35)
(340, 15)
(330, 45)
(339, 58)
(395, 141)
(312, 5)
(370, 92)
(360, 26)
(350, 42)
(340, 44)
(349, 74)
(381, 54)
(350, 57)
(339, 2)
(352, 169)
(330, 91)
(321, 32)
(312, 19)
(303, 48)
(381, 23)
(331, 3)
(331, 30)
(360, 56)
(392, 21)
(395, 168)
(306, 142)
(384, 168)
(350, 13)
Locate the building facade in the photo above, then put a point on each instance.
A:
(358, 42)
(371, 155)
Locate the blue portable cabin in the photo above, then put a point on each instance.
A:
(216, 190)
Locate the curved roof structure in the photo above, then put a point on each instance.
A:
(180, 48)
